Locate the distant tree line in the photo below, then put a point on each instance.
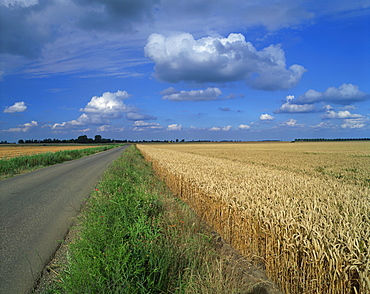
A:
(81, 139)
(336, 139)
(98, 139)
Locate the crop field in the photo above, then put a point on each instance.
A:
(303, 209)
(19, 150)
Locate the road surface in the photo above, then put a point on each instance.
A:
(36, 210)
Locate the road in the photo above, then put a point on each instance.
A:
(36, 210)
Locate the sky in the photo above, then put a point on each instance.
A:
(187, 69)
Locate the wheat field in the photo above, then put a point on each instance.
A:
(303, 209)
(19, 150)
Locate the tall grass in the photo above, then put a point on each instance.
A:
(20, 164)
(136, 238)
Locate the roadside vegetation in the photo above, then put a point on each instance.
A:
(135, 237)
(20, 164)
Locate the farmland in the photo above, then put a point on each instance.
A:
(15, 160)
(7, 151)
(303, 209)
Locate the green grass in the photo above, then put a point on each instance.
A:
(17, 165)
(135, 237)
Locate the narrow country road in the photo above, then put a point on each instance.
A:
(36, 210)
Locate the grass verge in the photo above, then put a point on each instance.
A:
(17, 165)
(135, 237)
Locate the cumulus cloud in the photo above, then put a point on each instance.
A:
(266, 117)
(24, 127)
(16, 107)
(174, 127)
(84, 119)
(108, 105)
(193, 95)
(289, 107)
(342, 114)
(295, 108)
(216, 59)
(244, 127)
(102, 109)
(344, 94)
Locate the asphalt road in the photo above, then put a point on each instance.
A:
(36, 210)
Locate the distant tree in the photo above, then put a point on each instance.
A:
(98, 139)
(20, 141)
(82, 139)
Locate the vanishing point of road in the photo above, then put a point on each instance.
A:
(36, 211)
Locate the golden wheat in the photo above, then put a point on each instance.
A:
(19, 150)
(311, 229)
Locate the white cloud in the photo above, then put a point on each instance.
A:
(108, 105)
(22, 3)
(290, 123)
(289, 107)
(84, 119)
(145, 126)
(266, 117)
(86, 29)
(295, 108)
(214, 59)
(244, 127)
(16, 107)
(289, 98)
(140, 123)
(109, 128)
(225, 128)
(355, 123)
(174, 127)
(327, 107)
(24, 127)
(324, 125)
(344, 114)
(193, 95)
(102, 109)
(344, 94)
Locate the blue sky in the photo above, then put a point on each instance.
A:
(185, 69)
